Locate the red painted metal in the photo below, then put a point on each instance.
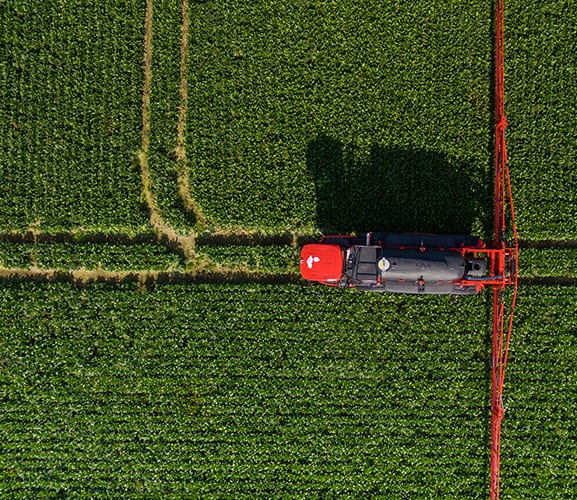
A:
(321, 262)
(504, 260)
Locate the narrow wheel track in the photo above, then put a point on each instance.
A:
(230, 238)
(84, 277)
(165, 234)
(190, 205)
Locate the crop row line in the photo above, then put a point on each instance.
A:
(61, 237)
(548, 244)
(145, 278)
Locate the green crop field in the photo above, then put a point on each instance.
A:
(278, 390)
(310, 114)
(320, 107)
(541, 85)
(162, 162)
(70, 87)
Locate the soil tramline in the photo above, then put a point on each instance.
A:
(184, 188)
(166, 235)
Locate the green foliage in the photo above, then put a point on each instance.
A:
(227, 390)
(339, 115)
(270, 79)
(285, 91)
(70, 96)
(164, 109)
(259, 390)
(267, 259)
(541, 82)
(539, 450)
(88, 256)
(548, 262)
(296, 112)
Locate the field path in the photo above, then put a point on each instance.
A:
(183, 175)
(147, 77)
(83, 277)
(229, 238)
(165, 234)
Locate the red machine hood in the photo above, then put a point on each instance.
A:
(321, 262)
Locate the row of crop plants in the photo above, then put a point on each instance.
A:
(164, 112)
(541, 58)
(143, 256)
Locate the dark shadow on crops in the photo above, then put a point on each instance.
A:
(548, 244)
(570, 281)
(395, 189)
(154, 278)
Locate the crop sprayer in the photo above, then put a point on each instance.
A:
(441, 264)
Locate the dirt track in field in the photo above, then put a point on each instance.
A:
(147, 77)
(183, 90)
(183, 174)
(165, 234)
(147, 279)
(84, 277)
(229, 238)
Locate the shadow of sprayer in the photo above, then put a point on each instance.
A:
(395, 190)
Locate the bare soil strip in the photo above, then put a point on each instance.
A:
(548, 244)
(548, 281)
(165, 234)
(147, 77)
(78, 237)
(83, 277)
(183, 174)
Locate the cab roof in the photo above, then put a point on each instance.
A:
(321, 262)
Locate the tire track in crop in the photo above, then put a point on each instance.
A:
(549, 244)
(548, 281)
(147, 77)
(183, 175)
(165, 234)
(249, 238)
(149, 278)
(83, 277)
(78, 237)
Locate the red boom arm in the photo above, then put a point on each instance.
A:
(505, 261)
